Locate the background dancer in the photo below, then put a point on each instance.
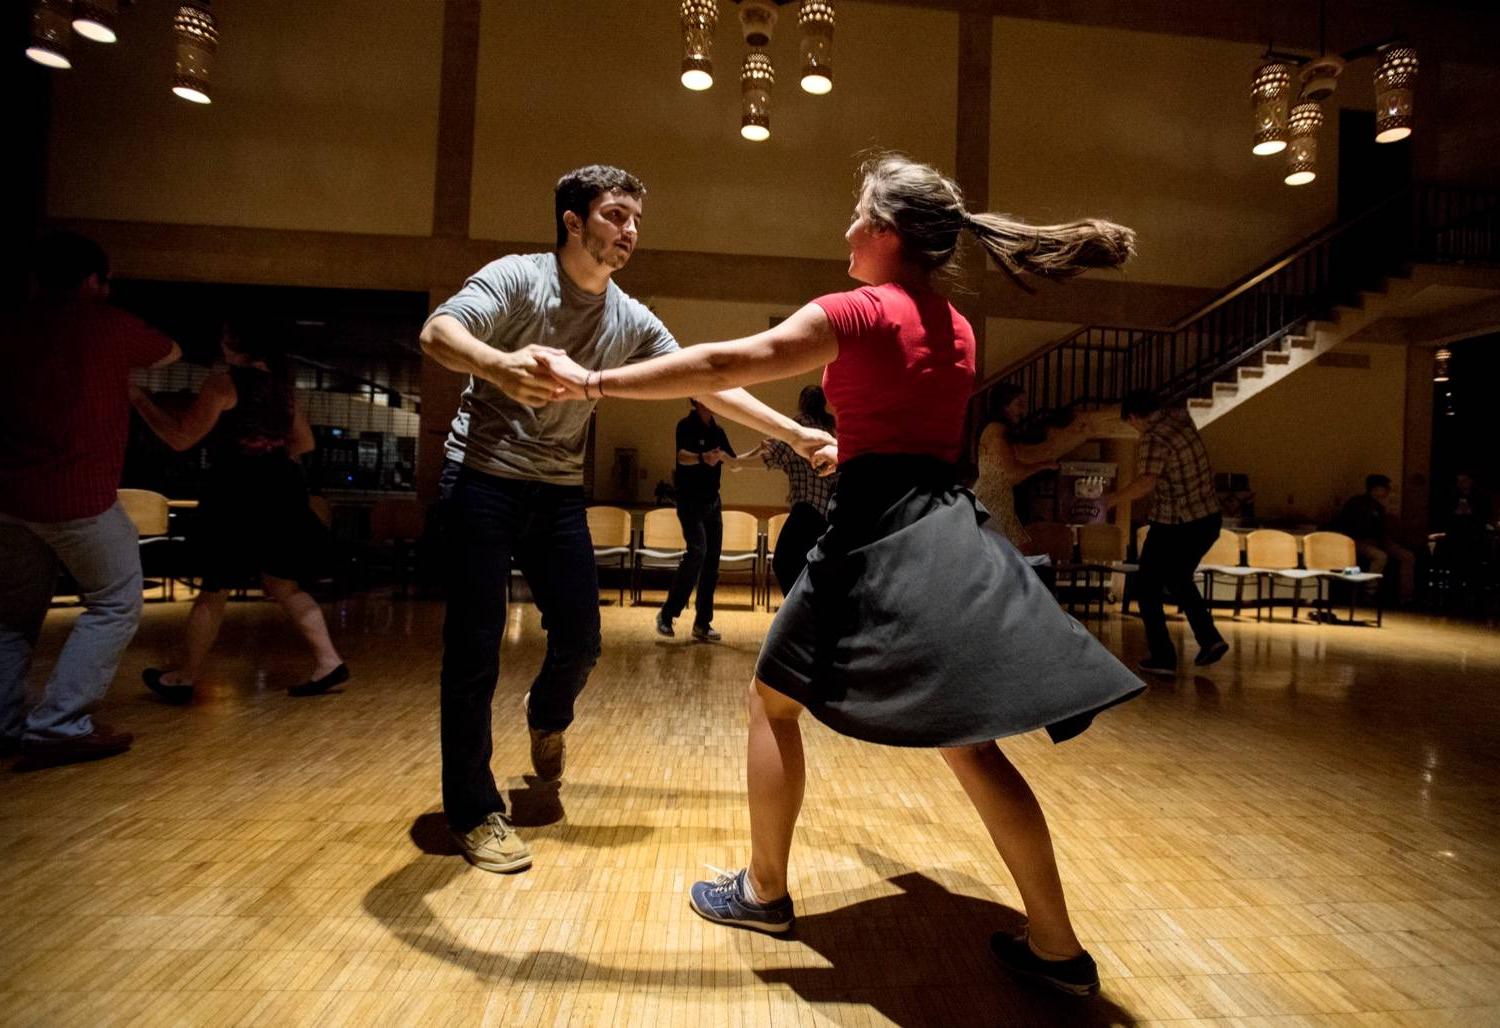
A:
(808, 492)
(513, 482)
(912, 626)
(254, 518)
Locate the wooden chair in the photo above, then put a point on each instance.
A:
(1271, 555)
(661, 546)
(613, 537)
(742, 547)
(1101, 552)
(396, 526)
(1327, 555)
(1054, 541)
(774, 525)
(1226, 557)
(148, 511)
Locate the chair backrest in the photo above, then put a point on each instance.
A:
(741, 532)
(1101, 543)
(773, 531)
(1226, 550)
(1328, 551)
(1271, 548)
(609, 526)
(146, 510)
(662, 531)
(1052, 538)
(397, 518)
(323, 509)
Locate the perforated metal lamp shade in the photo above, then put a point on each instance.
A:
(1395, 78)
(50, 33)
(95, 19)
(699, 19)
(197, 43)
(1270, 96)
(1302, 147)
(815, 19)
(756, 79)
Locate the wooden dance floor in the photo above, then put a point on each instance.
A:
(1309, 834)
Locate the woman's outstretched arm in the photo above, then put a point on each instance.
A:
(802, 343)
(184, 431)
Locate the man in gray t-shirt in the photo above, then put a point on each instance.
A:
(512, 485)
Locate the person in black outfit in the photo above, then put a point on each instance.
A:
(809, 494)
(702, 449)
(254, 517)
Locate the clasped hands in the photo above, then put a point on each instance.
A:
(539, 375)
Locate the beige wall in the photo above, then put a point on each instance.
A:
(612, 96)
(324, 117)
(649, 426)
(1152, 131)
(1308, 442)
(1008, 340)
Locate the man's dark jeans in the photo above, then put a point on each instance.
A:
(1169, 561)
(804, 527)
(702, 519)
(487, 521)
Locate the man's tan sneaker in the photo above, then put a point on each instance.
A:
(549, 750)
(493, 845)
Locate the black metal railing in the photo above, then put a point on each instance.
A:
(1099, 364)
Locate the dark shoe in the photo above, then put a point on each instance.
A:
(723, 900)
(10, 746)
(100, 743)
(1152, 666)
(1211, 654)
(175, 694)
(664, 626)
(1076, 976)
(318, 686)
(549, 749)
(706, 633)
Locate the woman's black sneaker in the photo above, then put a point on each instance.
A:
(1076, 976)
(175, 694)
(318, 686)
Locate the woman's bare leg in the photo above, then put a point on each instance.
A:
(1019, 829)
(308, 617)
(202, 629)
(777, 776)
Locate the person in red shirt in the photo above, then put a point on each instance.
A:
(64, 416)
(912, 626)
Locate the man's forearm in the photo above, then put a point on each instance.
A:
(738, 405)
(446, 341)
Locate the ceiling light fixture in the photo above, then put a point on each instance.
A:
(1302, 150)
(95, 19)
(1394, 78)
(49, 33)
(197, 42)
(756, 79)
(815, 18)
(1270, 97)
(699, 19)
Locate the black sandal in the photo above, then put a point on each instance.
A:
(318, 686)
(177, 695)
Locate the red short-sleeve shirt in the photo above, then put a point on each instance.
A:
(64, 407)
(904, 372)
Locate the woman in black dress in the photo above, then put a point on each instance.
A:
(254, 517)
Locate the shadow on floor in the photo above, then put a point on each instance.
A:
(917, 957)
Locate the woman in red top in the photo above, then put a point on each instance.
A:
(912, 625)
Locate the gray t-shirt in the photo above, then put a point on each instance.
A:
(524, 299)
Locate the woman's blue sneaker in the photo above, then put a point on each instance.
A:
(723, 900)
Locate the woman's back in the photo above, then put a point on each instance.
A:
(904, 371)
(260, 422)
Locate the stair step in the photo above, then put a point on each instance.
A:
(1278, 358)
(1300, 342)
(1225, 388)
(1252, 372)
(1198, 403)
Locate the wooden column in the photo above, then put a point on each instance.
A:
(456, 103)
(1416, 446)
(972, 159)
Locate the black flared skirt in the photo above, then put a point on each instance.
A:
(912, 626)
(255, 520)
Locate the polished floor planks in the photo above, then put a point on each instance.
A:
(1307, 833)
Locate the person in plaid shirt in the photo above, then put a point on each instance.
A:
(808, 493)
(64, 415)
(1185, 523)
